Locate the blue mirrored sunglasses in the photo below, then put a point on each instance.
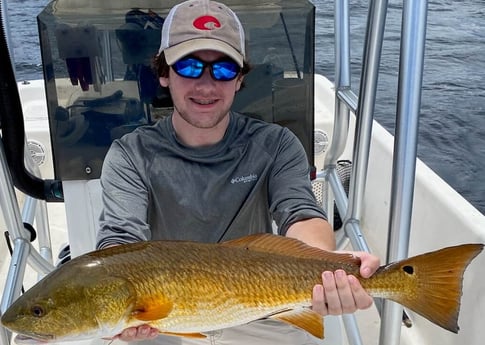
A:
(192, 67)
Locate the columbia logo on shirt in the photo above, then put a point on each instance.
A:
(244, 179)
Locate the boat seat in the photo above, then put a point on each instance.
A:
(82, 199)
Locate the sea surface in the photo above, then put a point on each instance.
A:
(452, 122)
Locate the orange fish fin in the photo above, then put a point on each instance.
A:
(303, 318)
(186, 335)
(282, 245)
(433, 282)
(152, 309)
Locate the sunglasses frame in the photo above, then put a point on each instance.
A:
(206, 64)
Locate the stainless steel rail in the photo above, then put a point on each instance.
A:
(404, 161)
(23, 252)
(342, 83)
(11, 214)
(405, 148)
(364, 117)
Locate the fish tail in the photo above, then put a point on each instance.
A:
(430, 284)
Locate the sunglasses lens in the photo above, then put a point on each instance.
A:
(225, 70)
(189, 68)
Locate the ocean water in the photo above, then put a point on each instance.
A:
(452, 122)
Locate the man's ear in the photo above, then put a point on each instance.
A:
(163, 81)
(239, 82)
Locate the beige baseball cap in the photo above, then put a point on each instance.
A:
(202, 24)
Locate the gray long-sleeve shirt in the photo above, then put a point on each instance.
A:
(154, 187)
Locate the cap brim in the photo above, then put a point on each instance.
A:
(174, 53)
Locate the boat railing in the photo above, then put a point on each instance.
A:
(23, 251)
(413, 32)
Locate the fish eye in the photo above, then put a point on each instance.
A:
(408, 269)
(37, 311)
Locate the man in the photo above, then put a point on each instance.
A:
(208, 174)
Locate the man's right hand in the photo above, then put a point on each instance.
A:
(143, 332)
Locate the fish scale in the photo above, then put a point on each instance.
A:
(219, 303)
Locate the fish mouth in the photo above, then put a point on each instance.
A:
(33, 339)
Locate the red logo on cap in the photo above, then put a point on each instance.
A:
(207, 23)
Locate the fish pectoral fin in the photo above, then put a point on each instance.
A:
(303, 318)
(152, 309)
(186, 335)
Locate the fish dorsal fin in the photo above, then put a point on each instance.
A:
(151, 309)
(303, 318)
(275, 244)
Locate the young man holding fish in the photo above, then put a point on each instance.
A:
(208, 174)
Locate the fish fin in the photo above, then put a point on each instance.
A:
(303, 318)
(186, 335)
(152, 309)
(282, 245)
(433, 282)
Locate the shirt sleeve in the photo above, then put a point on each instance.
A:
(125, 200)
(290, 191)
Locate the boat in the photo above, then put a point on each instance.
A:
(380, 196)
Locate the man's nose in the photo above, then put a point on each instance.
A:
(206, 77)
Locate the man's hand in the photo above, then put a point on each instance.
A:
(143, 332)
(340, 293)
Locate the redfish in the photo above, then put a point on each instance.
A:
(188, 288)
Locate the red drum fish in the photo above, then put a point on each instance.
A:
(188, 288)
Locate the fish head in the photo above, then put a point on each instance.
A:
(71, 303)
